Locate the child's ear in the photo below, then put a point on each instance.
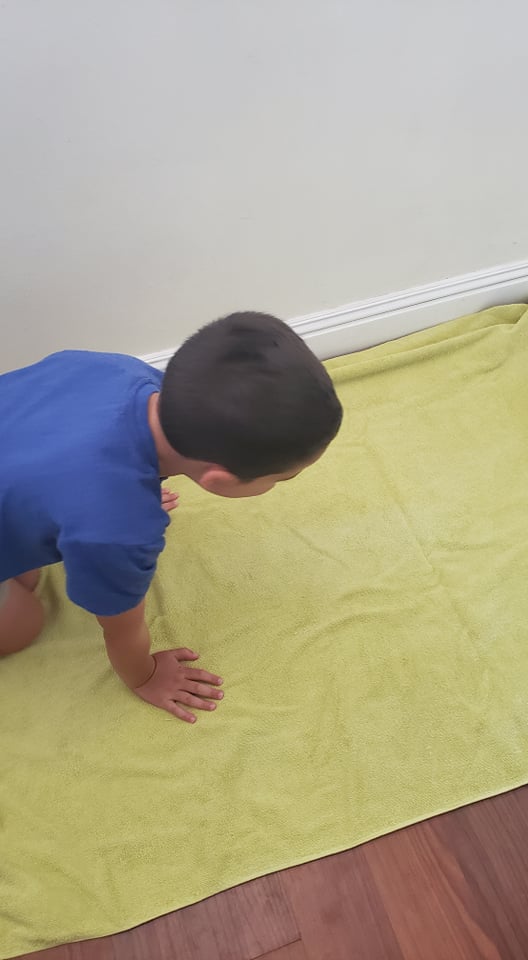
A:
(218, 480)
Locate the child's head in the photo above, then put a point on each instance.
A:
(249, 403)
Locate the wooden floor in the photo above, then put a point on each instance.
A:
(454, 888)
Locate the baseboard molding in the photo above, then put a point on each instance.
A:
(366, 323)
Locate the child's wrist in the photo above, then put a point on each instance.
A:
(135, 674)
(148, 674)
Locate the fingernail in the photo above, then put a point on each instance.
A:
(220, 695)
(212, 706)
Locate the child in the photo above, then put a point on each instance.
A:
(85, 437)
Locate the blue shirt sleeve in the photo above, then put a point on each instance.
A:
(108, 579)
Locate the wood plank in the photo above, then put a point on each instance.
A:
(239, 924)
(339, 911)
(294, 951)
(433, 902)
(102, 949)
(490, 843)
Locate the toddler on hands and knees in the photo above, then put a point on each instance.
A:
(243, 405)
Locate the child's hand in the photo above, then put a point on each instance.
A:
(169, 500)
(173, 684)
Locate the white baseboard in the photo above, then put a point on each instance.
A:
(365, 323)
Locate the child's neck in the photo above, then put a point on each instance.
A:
(170, 462)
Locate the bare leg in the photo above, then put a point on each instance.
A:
(21, 615)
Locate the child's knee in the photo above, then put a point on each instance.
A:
(21, 617)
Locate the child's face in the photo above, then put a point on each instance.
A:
(224, 484)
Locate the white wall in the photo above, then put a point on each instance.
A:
(165, 161)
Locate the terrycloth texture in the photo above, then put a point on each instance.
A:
(371, 622)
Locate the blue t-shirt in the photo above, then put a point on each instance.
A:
(79, 476)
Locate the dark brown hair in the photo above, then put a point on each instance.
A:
(246, 393)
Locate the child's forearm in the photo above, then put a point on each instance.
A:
(128, 646)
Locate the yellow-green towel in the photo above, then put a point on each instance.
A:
(370, 620)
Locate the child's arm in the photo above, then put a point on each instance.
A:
(160, 678)
(128, 645)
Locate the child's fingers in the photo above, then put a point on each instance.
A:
(202, 690)
(179, 712)
(191, 701)
(183, 653)
(169, 500)
(192, 673)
